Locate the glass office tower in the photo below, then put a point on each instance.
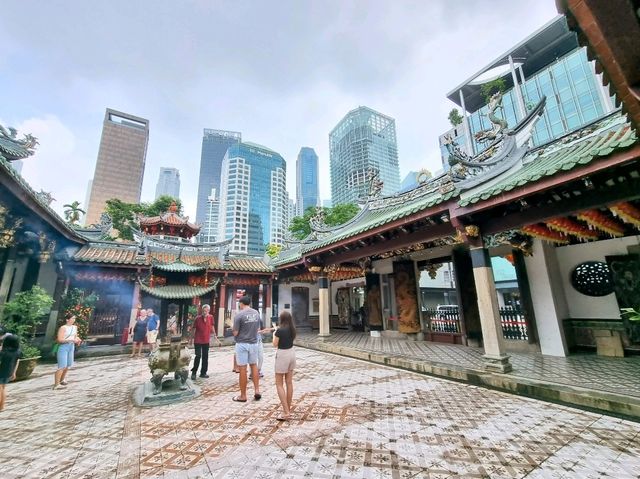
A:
(307, 187)
(363, 140)
(215, 144)
(253, 198)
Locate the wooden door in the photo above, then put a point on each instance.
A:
(300, 307)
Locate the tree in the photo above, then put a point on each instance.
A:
(455, 118)
(339, 214)
(123, 215)
(494, 86)
(273, 250)
(73, 212)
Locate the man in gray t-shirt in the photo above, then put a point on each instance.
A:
(246, 325)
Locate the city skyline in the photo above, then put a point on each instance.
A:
(59, 85)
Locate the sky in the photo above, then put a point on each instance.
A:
(282, 72)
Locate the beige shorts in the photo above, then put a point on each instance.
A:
(285, 360)
(152, 336)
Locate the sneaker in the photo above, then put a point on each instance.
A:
(204, 376)
(193, 376)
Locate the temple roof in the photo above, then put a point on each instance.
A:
(178, 291)
(571, 151)
(170, 219)
(112, 253)
(179, 266)
(11, 148)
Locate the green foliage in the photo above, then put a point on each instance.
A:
(273, 250)
(494, 86)
(81, 305)
(455, 118)
(339, 214)
(631, 314)
(123, 214)
(73, 212)
(23, 314)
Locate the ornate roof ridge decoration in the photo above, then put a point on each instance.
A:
(319, 226)
(12, 149)
(179, 266)
(439, 184)
(178, 291)
(38, 199)
(507, 148)
(96, 231)
(579, 148)
(163, 243)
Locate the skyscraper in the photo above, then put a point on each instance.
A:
(550, 63)
(214, 146)
(209, 232)
(121, 158)
(363, 141)
(168, 183)
(307, 187)
(253, 198)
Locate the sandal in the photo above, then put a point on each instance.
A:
(237, 399)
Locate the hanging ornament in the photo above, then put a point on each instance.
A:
(540, 231)
(627, 212)
(602, 222)
(569, 227)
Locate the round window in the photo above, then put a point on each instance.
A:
(592, 278)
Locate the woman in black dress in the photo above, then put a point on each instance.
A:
(139, 333)
(285, 362)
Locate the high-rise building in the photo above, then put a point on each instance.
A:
(87, 199)
(215, 144)
(363, 141)
(209, 232)
(548, 63)
(307, 187)
(253, 198)
(168, 183)
(120, 166)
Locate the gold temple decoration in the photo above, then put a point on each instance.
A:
(472, 231)
(46, 247)
(8, 230)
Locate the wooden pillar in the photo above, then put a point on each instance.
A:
(51, 330)
(325, 305)
(494, 352)
(7, 278)
(222, 304)
(525, 296)
(266, 314)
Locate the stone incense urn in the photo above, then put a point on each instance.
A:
(170, 357)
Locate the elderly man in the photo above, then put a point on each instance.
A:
(202, 329)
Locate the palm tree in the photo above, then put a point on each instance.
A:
(72, 214)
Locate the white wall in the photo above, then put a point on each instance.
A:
(284, 295)
(580, 305)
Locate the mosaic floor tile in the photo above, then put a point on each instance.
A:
(350, 419)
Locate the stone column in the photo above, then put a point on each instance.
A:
(222, 304)
(51, 330)
(494, 352)
(266, 316)
(325, 305)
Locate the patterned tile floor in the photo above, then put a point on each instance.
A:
(351, 419)
(613, 375)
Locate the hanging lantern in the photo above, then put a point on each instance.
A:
(602, 222)
(569, 227)
(627, 212)
(542, 232)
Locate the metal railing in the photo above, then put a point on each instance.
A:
(442, 321)
(514, 325)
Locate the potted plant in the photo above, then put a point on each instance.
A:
(631, 314)
(22, 315)
(82, 305)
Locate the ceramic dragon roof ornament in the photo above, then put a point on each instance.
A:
(12, 148)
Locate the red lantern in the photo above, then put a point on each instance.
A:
(542, 232)
(602, 222)
(627, 212)
(569, 227)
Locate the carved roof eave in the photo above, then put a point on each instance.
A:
(168, 244)
(178, 291)
(19, 187)
(180, 266)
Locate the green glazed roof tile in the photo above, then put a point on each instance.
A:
(178, 291)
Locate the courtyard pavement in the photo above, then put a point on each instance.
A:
(351, 419)
(601, 383)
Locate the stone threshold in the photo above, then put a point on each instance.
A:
(618, 405)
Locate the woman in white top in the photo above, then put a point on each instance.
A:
(67, 339)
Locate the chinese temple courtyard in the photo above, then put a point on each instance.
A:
(351, 419)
